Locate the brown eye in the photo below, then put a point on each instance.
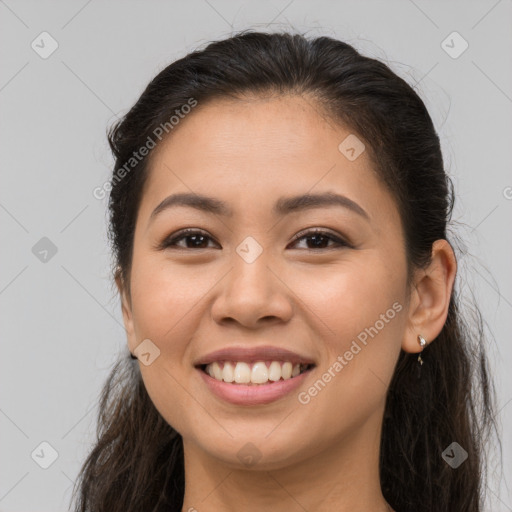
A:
(199, 240)
(320, 238)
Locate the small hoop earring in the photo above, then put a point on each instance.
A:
(423, 342)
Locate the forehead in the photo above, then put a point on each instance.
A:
(248, 151)
(253, 132)
(289, 126)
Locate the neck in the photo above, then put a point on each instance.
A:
(343, 477)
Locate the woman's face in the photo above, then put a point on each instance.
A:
(247, 284)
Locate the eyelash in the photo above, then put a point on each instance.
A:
(185, 233)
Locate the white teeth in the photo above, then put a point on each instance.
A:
(242, 373)
(274, 372)
(217, 372)
(259, 373)
(286, 370)
(228, 373)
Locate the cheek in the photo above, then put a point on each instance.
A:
(361, 318)
(164, 298)
(345, 298)
(166, 304)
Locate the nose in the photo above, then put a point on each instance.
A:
(252, 294)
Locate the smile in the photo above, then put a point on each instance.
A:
(251, 393)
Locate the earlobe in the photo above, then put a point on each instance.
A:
(127, 312)
(430, 298)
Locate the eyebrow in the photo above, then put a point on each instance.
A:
(283, 206)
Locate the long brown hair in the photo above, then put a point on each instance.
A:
(137, 462)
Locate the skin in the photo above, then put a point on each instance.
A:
(190, 301)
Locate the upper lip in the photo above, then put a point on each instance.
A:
(253, 354)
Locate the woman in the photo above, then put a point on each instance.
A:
(278, 216)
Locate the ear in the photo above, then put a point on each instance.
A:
(127, 312)
(430, 297)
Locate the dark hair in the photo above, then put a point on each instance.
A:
(137, 463)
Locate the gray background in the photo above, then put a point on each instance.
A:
(61, 323)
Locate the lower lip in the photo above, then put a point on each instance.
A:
(257, 394)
